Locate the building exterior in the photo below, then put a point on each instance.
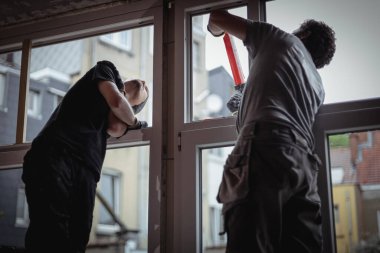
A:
(355, 171)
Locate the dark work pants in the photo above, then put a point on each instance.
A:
(282, 211)
(60, 192)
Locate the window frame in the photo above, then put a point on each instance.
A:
(337, 118)
(191, 136)
(45, 32)
(177, 214)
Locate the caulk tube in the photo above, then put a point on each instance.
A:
(233, 58)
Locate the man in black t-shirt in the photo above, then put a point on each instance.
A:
(63, 165)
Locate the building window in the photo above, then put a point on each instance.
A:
(110, 191)
(121, 40)
(337, 175)
(217, 227)
(196, 55)
(336, 214)
(2, 91)
(151, 40)
(34, 106)
(58, 96)
(22, 213)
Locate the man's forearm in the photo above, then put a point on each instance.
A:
(116, 127)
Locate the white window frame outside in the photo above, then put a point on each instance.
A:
(3, 90)
(58, 95)
(34, 109)
(22, 221)
(217, 226)
(334, 173)
(116, 40)
(196, 55)
(116, 179)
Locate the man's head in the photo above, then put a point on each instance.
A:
(319, 39)
(137, 94)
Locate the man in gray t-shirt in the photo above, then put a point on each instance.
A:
(269, 185)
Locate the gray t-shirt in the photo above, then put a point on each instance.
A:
(283, 85)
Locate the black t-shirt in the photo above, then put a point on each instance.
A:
(80, 122)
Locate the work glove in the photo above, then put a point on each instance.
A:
(139, 124)
(233, 103)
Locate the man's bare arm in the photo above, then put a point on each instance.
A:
(116, 127)
(229, 23)
(118, 104)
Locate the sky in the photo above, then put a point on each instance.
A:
(352, 74)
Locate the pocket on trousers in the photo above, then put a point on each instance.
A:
(235, 179)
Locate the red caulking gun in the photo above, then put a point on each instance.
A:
(233, 58)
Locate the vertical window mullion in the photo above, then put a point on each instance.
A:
(23, 92)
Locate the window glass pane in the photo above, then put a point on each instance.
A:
(10, 64)
(124, 185)
(108, 189)
(13, 209)
(212, 222)
(353, 72)
(212, 80)
(55, 68)
(355, 174)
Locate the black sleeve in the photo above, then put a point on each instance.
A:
(105, 70)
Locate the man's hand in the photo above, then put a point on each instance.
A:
(138, 125)
(214, 29)
(234, 103)
(222, 21)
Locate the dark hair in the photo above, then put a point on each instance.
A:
(319, 41)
